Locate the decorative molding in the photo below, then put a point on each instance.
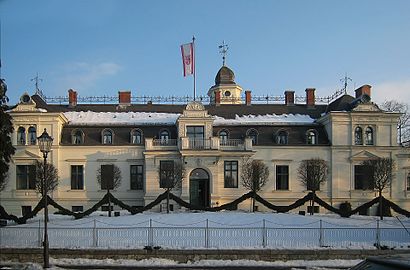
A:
(195, 106)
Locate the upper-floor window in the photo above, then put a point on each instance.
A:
(358, 136)
(136, 136)
(164, 136)
(77, 177)
(223, 136)
(77, 137)
(107, 136)
(369, 136)
(311, 137)
(282, 137)
(231, 174)
(26, 176)
(21, 136)
(253, 134)
(32, 135)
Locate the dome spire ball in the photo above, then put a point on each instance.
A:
(223, 49)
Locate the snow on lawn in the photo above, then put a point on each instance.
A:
(221, 230)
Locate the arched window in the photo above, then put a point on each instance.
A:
(223, 137)
(358, 136)
(107, 136)
(369, 136)
(77, 137)
(136, 136)
(253, 134)
(21, 136)
(282, 137)
(164, 136)
(311, 137)
(32, 135)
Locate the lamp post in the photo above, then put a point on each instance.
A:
(44, 143)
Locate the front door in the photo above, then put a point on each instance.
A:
(199, 188)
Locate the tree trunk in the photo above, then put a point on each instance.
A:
(109, 203)
(167, 201)
(380, 205)
(312, 208)
(253, 201)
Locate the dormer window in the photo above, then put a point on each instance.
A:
(164, 136)
(223, 137)
(32, 135)
(282, 137)
(21, 136)
(77, 137)
(369, 136)
(311, 137)
(107, 136)
(253, 134)
(358, 136)
(136, 136)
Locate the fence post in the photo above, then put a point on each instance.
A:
(377, 234)
(95, 241)
(207, 234)
(264, 234)
(320, 234)
(150, 234)
(39, 234)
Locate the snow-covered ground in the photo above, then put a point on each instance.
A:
(222, 230)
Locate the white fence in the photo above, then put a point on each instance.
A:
(207, 235)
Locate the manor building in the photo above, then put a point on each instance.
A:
(211, 141)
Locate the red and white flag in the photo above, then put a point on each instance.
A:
(188, 59)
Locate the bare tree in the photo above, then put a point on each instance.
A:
(171, 175)
(312, 173)
(51, 177)
(254, 175)
(381, 174)
(109, 177)
(403, 126)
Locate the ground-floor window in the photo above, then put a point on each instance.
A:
(25, 210)
(231, 174)
(137, 177)
(77, 177)
(166, 173)
(282, 177)
(363, 179)
(26, 176)
(408, 181)
(76, 208)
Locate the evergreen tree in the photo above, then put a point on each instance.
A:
(6, 128)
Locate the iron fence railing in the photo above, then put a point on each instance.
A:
(207, 235)
(164, 142)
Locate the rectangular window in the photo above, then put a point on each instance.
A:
(77, 208)
(105, 208)
(107, 177)
(137, 177)
(26, 176)
(363, 179)
(282, 177)
(231, 174)
(25, 210)
(315, 209)
(77, 177)
(408, 181)
(166, 173)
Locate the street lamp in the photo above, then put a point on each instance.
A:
(44, 143)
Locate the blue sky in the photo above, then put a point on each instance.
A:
(100, 47)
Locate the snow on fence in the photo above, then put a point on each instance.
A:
(208, 234)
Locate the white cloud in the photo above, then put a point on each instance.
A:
(392, 90)
(82, 75)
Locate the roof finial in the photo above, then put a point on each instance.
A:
(345, 81)
(37, 80)
(223, 49)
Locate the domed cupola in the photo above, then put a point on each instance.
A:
(225, 76)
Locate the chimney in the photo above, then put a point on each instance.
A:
(310, 97)
(289, 97)
(248, 98)
(72, 98)
(217, 97)
(124, 97)
(363, 90)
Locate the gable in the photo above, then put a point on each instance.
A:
(363, 155)
(25, 155)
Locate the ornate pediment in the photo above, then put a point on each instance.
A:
(25, 155)
(367, 107)
(363, 155)
(195, 106)
(195, 109)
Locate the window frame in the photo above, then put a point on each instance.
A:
(369, 131)
(253, 134)
(74, 136)
(137, 133)
(229, 171)
(21, 136)
(223, 139)
(166, 169)
(164, 138)
(139, 177)
(360, 182)
(279, 177)
(30, 177)
(358, 136)
(78, 183)
(408, 181)
(282, 134)
(309, 137)
(103, 136)
(32, 140)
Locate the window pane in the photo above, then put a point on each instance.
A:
(167, 173)
(77, 178)
(282, 177)
(363, 178)
(231, 174)
(136, 177)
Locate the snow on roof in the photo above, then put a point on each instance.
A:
(267, 119)
(121, 118)
(148, 118)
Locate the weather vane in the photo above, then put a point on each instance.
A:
(345, 81)
(223, 49)
(37, 80)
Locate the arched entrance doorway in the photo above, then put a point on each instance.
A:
(199, 188)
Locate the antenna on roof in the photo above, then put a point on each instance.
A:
(37, 79)
(223, 49)
(345, 81)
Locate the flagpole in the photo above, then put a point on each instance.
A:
(193, 47)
